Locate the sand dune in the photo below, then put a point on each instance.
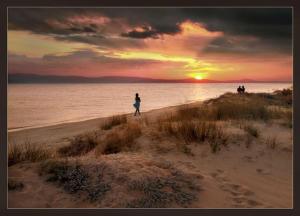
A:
(245, 163)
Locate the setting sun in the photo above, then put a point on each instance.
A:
(198, 77)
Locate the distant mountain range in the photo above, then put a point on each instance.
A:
(34, 78)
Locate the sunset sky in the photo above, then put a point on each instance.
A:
(167, 43)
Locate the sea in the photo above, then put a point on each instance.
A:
(38, 105)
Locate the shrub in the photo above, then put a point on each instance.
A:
(26, 152)
(71, 177)
(74, 178)
(161, 192)
(114, 121)
(80, 145)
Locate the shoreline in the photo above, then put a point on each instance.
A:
(52, 133)
(17, 129)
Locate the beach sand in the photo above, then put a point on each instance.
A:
(248, 172)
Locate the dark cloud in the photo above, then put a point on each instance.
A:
(149, 32)
(271, 26)
(244, 45)
(85, 29)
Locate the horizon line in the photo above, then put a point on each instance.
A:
(186, 80)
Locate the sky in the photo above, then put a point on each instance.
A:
(161, 43)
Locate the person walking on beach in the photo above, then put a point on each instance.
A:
(137, 104)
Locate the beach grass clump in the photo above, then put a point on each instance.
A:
(114, 121)
(239, 110)
(193, 131)
(222, 110)
(27, 152)
(14, 185)
(80, 145)
(251, 130)
(121, 140)
(197, 131)
(176, 189)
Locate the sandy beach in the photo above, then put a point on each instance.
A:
(157, 162)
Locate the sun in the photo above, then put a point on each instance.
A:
(198, 77)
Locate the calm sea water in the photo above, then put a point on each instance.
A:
(35, 105)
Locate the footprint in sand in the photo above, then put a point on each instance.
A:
(240, 195)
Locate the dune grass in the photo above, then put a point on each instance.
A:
(27, 152)
(80, 145)
(121, 140)
(114, 121)
(196, 131)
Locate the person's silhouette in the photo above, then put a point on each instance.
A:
(243, 89)
(137, 104)
(239, 89)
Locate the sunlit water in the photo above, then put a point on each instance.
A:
(35, 105)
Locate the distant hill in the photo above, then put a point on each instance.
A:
(34, 78)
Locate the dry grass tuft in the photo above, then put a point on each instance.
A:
(27, 152)
(114, 121)
(80, 145)
(240, 110)
(191, 131)
(118, 141)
